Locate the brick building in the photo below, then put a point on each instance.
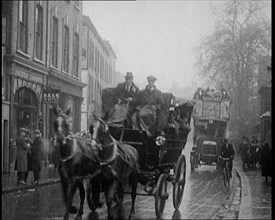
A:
(42, 52)
(98, 68)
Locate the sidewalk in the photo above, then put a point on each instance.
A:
(256, 194)
(48, 175)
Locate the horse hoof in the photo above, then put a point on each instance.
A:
(73, 210)
(131, 216)
(78, 217)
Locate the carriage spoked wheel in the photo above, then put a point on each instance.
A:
(161, 195)
(179, 181)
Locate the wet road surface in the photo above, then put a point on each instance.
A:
(205, 197)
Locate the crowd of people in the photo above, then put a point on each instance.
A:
(28, 156)
(253, 153)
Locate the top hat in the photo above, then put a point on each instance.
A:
(129, 75)
(151, 78)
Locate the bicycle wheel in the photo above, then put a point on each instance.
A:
(226, 177)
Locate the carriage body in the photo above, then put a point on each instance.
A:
(163, 162)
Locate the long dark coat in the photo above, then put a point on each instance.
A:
(121, 91)
(152, 105)
(21, 155)
(36, 154)
(244, 147)
(226, 152)
(266, 161)
(151, 97)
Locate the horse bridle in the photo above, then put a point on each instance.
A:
(95, 142)
(66, 136)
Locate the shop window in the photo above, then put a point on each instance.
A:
(26, 109)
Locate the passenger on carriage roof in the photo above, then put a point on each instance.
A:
(127, 90)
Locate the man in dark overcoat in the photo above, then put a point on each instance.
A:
(227, 151)
(127, 90)
(266, 161)
(244, 151)
(21, 156)
(36, 156)
(125, 93)
(150, 103)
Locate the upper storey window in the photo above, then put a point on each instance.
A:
(38, 31)
(23, 24)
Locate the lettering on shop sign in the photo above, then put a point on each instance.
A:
(51, 96)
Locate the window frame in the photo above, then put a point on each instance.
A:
(38, 34)
(65, 47)
(23, 26)
(54, 41)
(76, 55)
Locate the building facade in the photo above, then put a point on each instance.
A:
(98, 68)
(30, 69)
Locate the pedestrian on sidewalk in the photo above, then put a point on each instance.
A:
(29, 141)
(21, 156)
(266, 161)
(36, 156)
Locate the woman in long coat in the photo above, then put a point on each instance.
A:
(36, 156)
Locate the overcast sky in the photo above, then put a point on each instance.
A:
(154, 37)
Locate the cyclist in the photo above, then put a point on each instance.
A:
(227, 151)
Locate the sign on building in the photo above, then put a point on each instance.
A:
(51, 96)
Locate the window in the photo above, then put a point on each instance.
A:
(38, 31)
(95, 59)
(92, 47)
(23, 15)
(65, 56)
(54, 41)
(76, 55)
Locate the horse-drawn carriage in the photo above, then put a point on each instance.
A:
(114, 154)
(161, 156)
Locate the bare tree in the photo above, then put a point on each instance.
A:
(229, 57)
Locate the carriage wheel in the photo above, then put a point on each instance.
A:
(160, 195)
(226, 178)
(179, 182)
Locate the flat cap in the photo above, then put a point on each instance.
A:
(151, 78)
(129, 75)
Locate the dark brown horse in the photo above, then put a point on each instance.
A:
(75, 162)
(119, 163)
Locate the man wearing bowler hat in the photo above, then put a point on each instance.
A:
(127, 90)
(125, 94)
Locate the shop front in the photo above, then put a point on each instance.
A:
(70, 97)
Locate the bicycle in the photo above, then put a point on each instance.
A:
(226, 175)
